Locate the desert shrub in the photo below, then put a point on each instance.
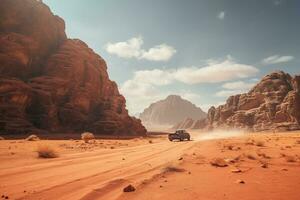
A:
(150, 141)
(32, 138)
(87, 136)
(45, 151)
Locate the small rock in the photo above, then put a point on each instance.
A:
(236, 170)
(32, 138)
(264, 165)
(129, 188)
(230, 160)
(219, 162)
(240, 181)
(180, 158)
(160, 186)
(284, 169)
(189, 172)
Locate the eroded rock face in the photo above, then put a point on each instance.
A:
(52, 83)
(273, 104)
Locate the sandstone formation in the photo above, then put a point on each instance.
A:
(51, 83)
(170, 111)
(272, 104)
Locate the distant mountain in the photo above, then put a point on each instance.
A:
(170, 111)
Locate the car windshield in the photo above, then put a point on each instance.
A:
(180, 131)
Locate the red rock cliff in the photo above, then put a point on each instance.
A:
(49, 82)
(273, 104)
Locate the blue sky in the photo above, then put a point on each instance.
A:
(203, 50)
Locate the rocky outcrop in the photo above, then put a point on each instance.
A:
(272, 104)
(51, 83)
(170, 111)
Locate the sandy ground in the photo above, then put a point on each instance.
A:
(267, 164)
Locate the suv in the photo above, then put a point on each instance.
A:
(179, 135)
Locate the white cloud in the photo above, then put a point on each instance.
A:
(233, 88)
(139, 95)
(154, 77)
(161, 52)
(238, 85)
(128, 49)
(215, 72)
(277, 59)
(221, 15)
(227, 93)
(146, 85)
(132, 48)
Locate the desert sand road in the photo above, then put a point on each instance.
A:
(100, 174)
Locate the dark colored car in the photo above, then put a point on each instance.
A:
(179, 135)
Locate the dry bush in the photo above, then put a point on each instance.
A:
(46, 151)
(2, 138)
(87, 136)
(32, 138)
(172, 169)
